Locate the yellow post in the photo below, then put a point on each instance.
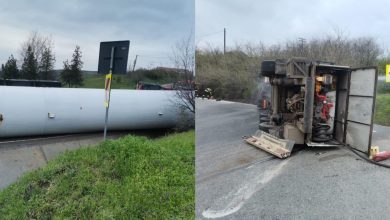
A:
(373, 151)
(107, 88)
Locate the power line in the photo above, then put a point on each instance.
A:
(224, 40)
(301, 46)
(153, 57)
(302, 40)
(205, 35)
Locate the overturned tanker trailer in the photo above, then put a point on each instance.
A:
(27, 111)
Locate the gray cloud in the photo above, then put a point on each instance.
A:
(280, 20)
(152, 26)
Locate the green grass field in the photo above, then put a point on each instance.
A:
(118, 81)
(382, 109)
(129, 178)
(97, 81)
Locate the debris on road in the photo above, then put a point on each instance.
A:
(271, 144)
(384, 155)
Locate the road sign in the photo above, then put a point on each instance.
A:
(112, 59)
(121, 53)
(387, 72)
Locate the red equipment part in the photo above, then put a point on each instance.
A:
(264, 104)
(326, 106)
(381, 156)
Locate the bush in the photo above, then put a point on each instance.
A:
(234, 75)
(382, 109)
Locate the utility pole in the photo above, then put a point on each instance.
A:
(302, 42)
(224, 40)
(135, 62)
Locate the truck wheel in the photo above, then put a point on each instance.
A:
(263, 114)
(264, 119)
(265, 126)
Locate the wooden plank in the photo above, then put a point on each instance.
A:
(271, 144)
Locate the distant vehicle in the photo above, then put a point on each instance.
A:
(180, 85)
(148, 86)
(184, 85)
(30, 83)
(168, 86)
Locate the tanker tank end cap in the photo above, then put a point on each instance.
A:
(51, 115)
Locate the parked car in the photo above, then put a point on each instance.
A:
(148, 86)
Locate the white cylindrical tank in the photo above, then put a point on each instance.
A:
(26, 111)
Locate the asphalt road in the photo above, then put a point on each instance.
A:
(237, 181)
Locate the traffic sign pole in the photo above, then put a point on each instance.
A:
(108, 87)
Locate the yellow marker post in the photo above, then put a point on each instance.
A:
(387, 73)
(373, 151)
(107, 88)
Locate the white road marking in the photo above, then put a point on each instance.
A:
(245, 192)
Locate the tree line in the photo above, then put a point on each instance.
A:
(37, 62)
(235, 74)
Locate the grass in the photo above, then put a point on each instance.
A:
(97, 81)
(118, 81)
(129, 178)
(383, 87)
(382, 109)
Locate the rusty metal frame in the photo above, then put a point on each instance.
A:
(373, 105)
(299, 68)
(308, 104)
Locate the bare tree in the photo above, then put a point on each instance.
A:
(183, 56)
(38, 45)
(233, 76)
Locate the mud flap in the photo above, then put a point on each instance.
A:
(271, 144)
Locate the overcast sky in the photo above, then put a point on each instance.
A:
(280, 20)
(152, 26)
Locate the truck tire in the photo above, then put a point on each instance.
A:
(265, 126)
(264, 119)
(264, 114)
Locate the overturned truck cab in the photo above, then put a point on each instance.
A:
(318, 104)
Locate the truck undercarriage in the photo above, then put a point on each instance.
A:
(315, 103)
